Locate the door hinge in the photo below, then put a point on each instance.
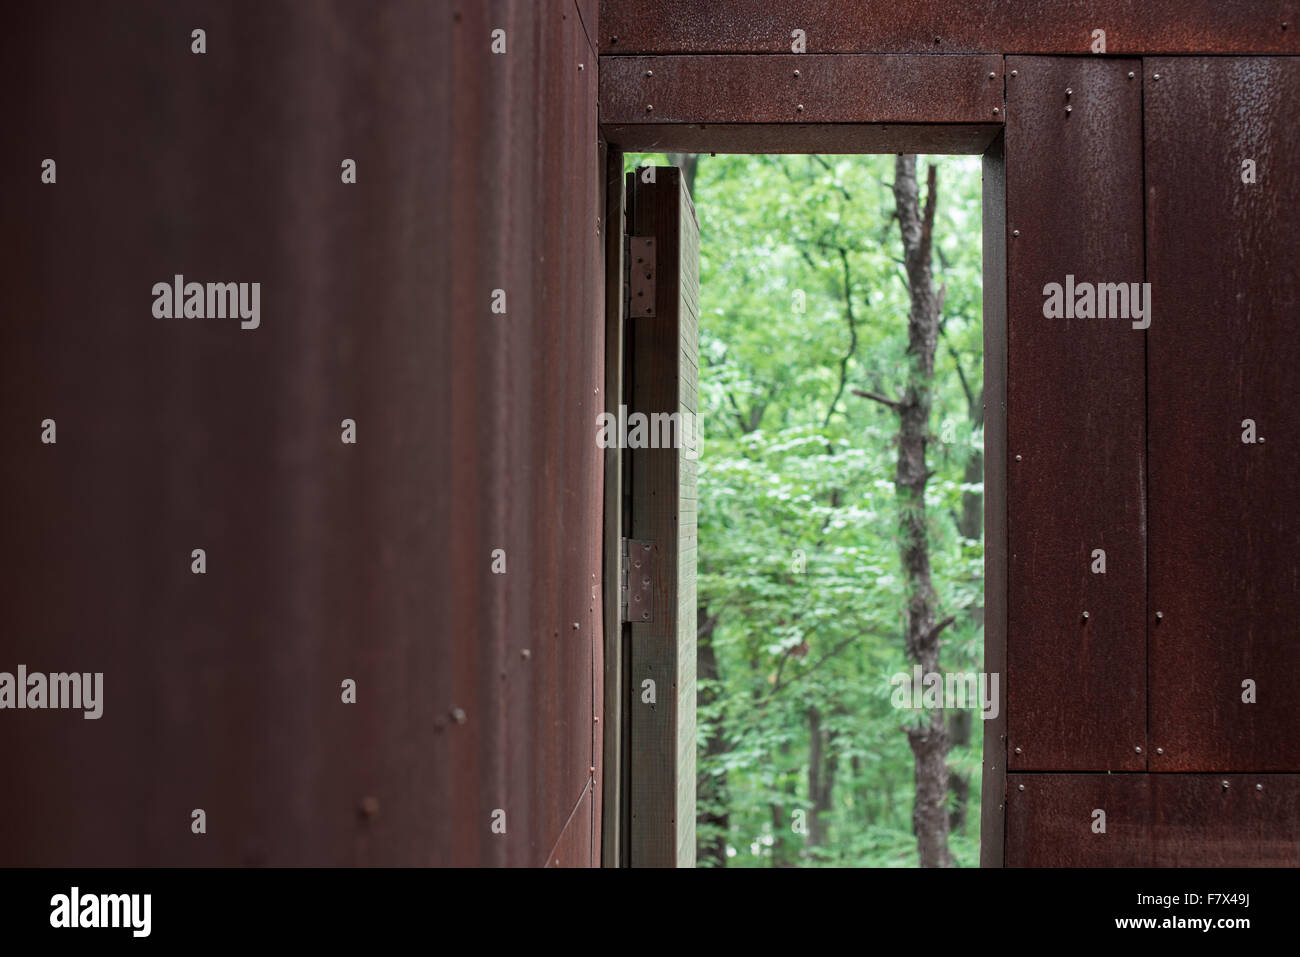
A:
(641, 276)
(638, 580)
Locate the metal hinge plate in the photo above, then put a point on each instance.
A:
(641, 276)
(638, 580)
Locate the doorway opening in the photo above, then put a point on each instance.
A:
(841, 693)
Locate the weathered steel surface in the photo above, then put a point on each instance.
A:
(949, 26)
(1160, 820)
(994, 770)
(947, 138)
(804, 88)
(325, 561)
(1224, 527)
(1076, 685)
(1252, 822)
(574, 846)
(1053, 821)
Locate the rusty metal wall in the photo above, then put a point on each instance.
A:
(1153, 820)
(949, 26)
(1076, 401)
(325, 561)
(1224, 266)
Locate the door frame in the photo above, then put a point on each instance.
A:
(906, 119)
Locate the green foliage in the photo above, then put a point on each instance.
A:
(798, 518)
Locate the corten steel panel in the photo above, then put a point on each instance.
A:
(573, 848)
(1253, 822)
(804, 88)
(994, 768)
(1053, 822)
(1224, 558)
(947, 138)
(325, 561)
(589, 17)
(949, 26)
(1076, 388)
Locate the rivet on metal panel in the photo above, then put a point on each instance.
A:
(1085, 616)
(1015, 232)
(1068, 109)
(799, 108)
(1160, 750)
(595, 719)
(1137, 750)
(996, 111)
(1018, 751)
(1017, 458)
(936, 39)
(649, 72)
(580, 66)
(1069, 92)
(458, 715)
(649, 108)
(796, 72)
(1160, 616)
(1131, 74)
(1021, 787)
(1225, 785)
(591, 769)
(1015, 73)
(1156, 76)
(525, 654)
(575, 626)
(993, 76)
(1259, 787)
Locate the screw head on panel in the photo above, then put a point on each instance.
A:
(799, 107)
(649, 108)
(796, 72)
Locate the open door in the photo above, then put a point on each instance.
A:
(660, 448)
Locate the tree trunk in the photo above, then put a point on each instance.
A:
(971, 526)
(929, 739)
(821, 777)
